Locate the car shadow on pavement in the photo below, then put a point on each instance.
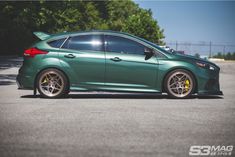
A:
(118, 96)
(206, 97)
(102, 96)
(122, 96)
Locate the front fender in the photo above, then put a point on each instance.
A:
(166, 66)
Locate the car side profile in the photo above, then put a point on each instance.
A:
(112, 61)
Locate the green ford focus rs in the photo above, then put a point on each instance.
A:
(112, 61)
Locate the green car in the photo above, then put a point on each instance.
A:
(112, 61)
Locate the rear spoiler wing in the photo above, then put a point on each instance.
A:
(42, 35)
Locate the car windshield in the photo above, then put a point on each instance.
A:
(154, 45)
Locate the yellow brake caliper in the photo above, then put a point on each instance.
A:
(187, 84)
(45, 80)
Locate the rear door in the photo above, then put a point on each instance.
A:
(127, 67)
(83, 56)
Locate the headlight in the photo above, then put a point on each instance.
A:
(205, 65)
(212, 67)
(202, 65)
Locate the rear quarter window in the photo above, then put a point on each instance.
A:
(56, 43)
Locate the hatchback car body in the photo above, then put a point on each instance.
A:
(112, 61)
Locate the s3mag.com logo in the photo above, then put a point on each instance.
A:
(211, 150)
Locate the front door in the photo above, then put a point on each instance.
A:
(127, 67)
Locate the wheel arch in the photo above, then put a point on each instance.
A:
(180, 68)
(50, 67)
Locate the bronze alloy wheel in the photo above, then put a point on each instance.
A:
(52, 83)
(179, 84)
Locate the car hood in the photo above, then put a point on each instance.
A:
(192, 58)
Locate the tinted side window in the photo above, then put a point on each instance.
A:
(123, 45)
(85, 42)
(56, 43)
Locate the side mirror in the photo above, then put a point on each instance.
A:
(148, 52)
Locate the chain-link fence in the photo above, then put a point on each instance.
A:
(202, 48)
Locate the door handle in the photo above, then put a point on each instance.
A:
(69, 56)
(116, 59)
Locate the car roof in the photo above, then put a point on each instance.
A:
(91, 31)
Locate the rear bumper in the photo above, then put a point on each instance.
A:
(18, 82)
(24, 82)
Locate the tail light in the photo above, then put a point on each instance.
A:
(31, 52)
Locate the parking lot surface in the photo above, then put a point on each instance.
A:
(104, 124)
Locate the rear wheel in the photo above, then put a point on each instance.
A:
(52, 83)
(179, 84)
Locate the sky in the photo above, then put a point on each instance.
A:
(195, 21)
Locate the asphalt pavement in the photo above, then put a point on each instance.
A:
(111, 124)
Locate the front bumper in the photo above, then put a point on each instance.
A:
(208, 81)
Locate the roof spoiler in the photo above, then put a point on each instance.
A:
(42, 35)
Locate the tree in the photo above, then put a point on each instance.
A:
(197, 55)
(233, 56)
(228, 56)
(143, 25)
(20, 19)
(219, 55)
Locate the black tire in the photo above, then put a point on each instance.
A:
(64, 88)
(172, 92)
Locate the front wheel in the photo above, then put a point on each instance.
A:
(179, 84)
(52, 83)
